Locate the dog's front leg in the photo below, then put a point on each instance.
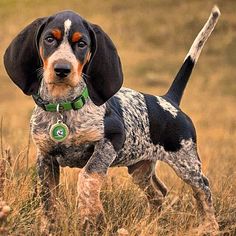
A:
(90, 182)
(48, 172)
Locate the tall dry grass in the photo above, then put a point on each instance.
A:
(152, 37)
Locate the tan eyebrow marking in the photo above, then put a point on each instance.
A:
(57, 34)
(76, 36)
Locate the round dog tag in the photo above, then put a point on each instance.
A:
(59, 132)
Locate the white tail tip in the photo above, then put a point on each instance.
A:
(203, 35)
(215, 12)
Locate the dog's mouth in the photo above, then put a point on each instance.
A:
(58, 82)
(60, 90)
(71, 81)
(61, 78)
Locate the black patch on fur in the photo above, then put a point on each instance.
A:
(104, 71)
(176, 90)
(113, 123)
(165, 130)
(206, 181)
(22, 59)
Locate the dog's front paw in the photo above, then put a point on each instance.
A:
(90, 208)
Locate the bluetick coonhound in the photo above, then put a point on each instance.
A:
(83, 118)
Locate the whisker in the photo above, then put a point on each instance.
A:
(40, 71)
(85, 76)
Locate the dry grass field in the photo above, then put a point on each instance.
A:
(152, 37)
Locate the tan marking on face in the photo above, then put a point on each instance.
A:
(57, 34)
(76, 37)
(45, 61)
(80, 68)
(61, 88)
(88, 56)
(89, 187)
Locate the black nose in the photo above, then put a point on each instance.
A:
(62, 70)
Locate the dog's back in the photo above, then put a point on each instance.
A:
(83, 120)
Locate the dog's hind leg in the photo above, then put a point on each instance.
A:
(187, 166)
(144, 176)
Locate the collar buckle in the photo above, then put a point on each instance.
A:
(60, 108)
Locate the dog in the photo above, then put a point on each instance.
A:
(84, 119)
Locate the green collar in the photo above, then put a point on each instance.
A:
(76, 104)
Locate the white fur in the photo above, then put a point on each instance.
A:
(204, 34)
(67, 26)
(167, 106)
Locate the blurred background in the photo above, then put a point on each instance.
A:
(152, 38)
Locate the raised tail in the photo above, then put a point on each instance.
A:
(176, 90)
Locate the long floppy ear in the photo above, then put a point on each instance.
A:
(104, 72)
(22, 59)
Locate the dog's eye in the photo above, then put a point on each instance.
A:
(50, 40)
(81, 44)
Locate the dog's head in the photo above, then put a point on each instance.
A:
(65, 46)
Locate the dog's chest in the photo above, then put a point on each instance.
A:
(84, 126)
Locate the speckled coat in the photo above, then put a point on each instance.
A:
(123, 120)
(60, 55)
